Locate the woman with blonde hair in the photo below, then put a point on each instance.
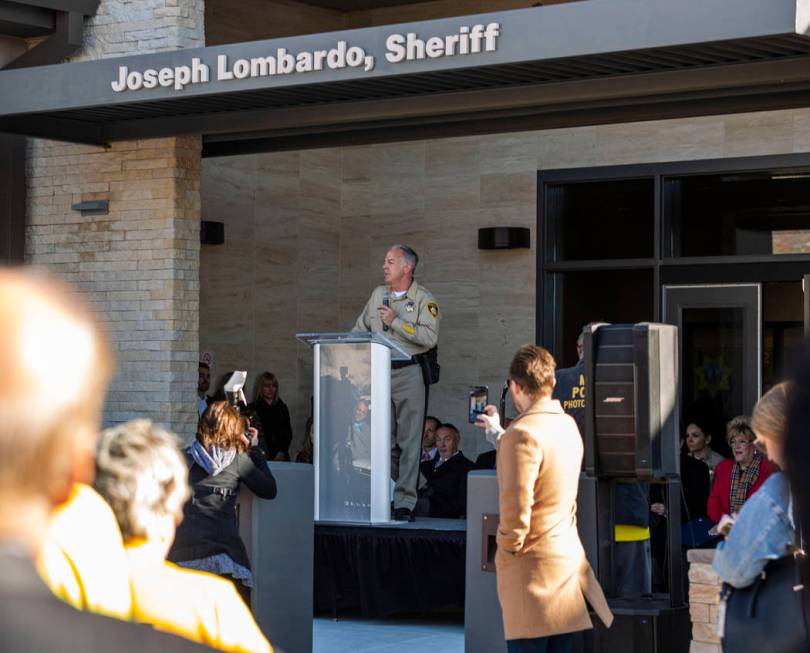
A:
(142, 475)
(738, 478)
(224, 455)
(274, 417)
(763, 530)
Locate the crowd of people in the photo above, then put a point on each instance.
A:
(142, 536)
(94, 517)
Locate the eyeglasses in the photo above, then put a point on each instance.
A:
(740, 441)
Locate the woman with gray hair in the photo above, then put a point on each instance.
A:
(141, 473)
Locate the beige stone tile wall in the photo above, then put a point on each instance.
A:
(307, 232)
(704, 601)
(138, 265)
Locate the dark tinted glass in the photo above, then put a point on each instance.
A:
(617, 296)
(782, 329)
(602, 220)
(712, 341)
(738, 214)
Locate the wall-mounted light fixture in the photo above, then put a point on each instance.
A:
(212, 233)
(92, 207)
(504, 237)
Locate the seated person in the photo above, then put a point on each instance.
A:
(695, 490)
(429, 438)
(737, 478)
(144, 478)
(446, 492)
(486, 460)
(697, 445)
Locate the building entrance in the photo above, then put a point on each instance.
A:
(719, 332)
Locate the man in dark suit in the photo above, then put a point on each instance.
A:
(48, 430)
(446, 492)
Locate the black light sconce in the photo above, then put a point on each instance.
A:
(92, 207)
(504, 238)
(212, 233)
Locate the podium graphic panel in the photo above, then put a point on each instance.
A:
(344, 416)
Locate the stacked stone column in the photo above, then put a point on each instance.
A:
(138, 265)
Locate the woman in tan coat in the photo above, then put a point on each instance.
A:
(544, 581)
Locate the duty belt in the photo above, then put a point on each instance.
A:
(398, 365)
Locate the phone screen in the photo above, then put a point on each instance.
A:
(479, 397)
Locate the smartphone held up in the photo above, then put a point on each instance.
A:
(479, 398)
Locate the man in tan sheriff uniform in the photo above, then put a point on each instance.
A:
(412, 318)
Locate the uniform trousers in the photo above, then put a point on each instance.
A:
(408, 399)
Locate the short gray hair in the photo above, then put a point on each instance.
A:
(410, 256)
(141, 473)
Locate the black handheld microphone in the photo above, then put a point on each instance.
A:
(386, 302)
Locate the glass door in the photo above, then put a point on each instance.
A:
(719, 331)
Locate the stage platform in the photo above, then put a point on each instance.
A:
(389, 568)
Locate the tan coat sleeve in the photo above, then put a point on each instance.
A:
(425, 330)
(519, 458)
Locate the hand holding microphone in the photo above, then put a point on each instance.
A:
(387, 314)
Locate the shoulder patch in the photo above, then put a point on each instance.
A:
(433, 308)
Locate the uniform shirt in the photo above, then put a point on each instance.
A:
(192, 604)
(569, 390)
(415, 328)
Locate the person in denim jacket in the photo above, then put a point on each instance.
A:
(763, 530)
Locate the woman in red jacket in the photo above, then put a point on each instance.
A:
(737, 478)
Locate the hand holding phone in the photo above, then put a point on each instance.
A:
(490, 421)
(725, 524)
(479, 395)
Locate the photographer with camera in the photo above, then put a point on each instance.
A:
(224, 455)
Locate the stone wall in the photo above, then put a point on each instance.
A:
(704, 593)
(138, 265)
(306, 232)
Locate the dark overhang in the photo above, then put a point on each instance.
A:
(585, 62)
(61, 21)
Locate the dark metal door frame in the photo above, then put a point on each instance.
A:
(748, 296)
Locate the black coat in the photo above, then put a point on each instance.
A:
(486, 460)
(447, 486)
(276, 429)
(32, 620)
(209, 525)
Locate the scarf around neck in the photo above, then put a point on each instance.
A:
(741, 483)
(212, 460)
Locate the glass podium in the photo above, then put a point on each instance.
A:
(351, 430)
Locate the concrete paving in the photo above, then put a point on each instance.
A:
(405, 635)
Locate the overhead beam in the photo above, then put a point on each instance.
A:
(84, 7)
(57, 129)
(537, 98)
(17, 19)
(66, 39)
(491, 123)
